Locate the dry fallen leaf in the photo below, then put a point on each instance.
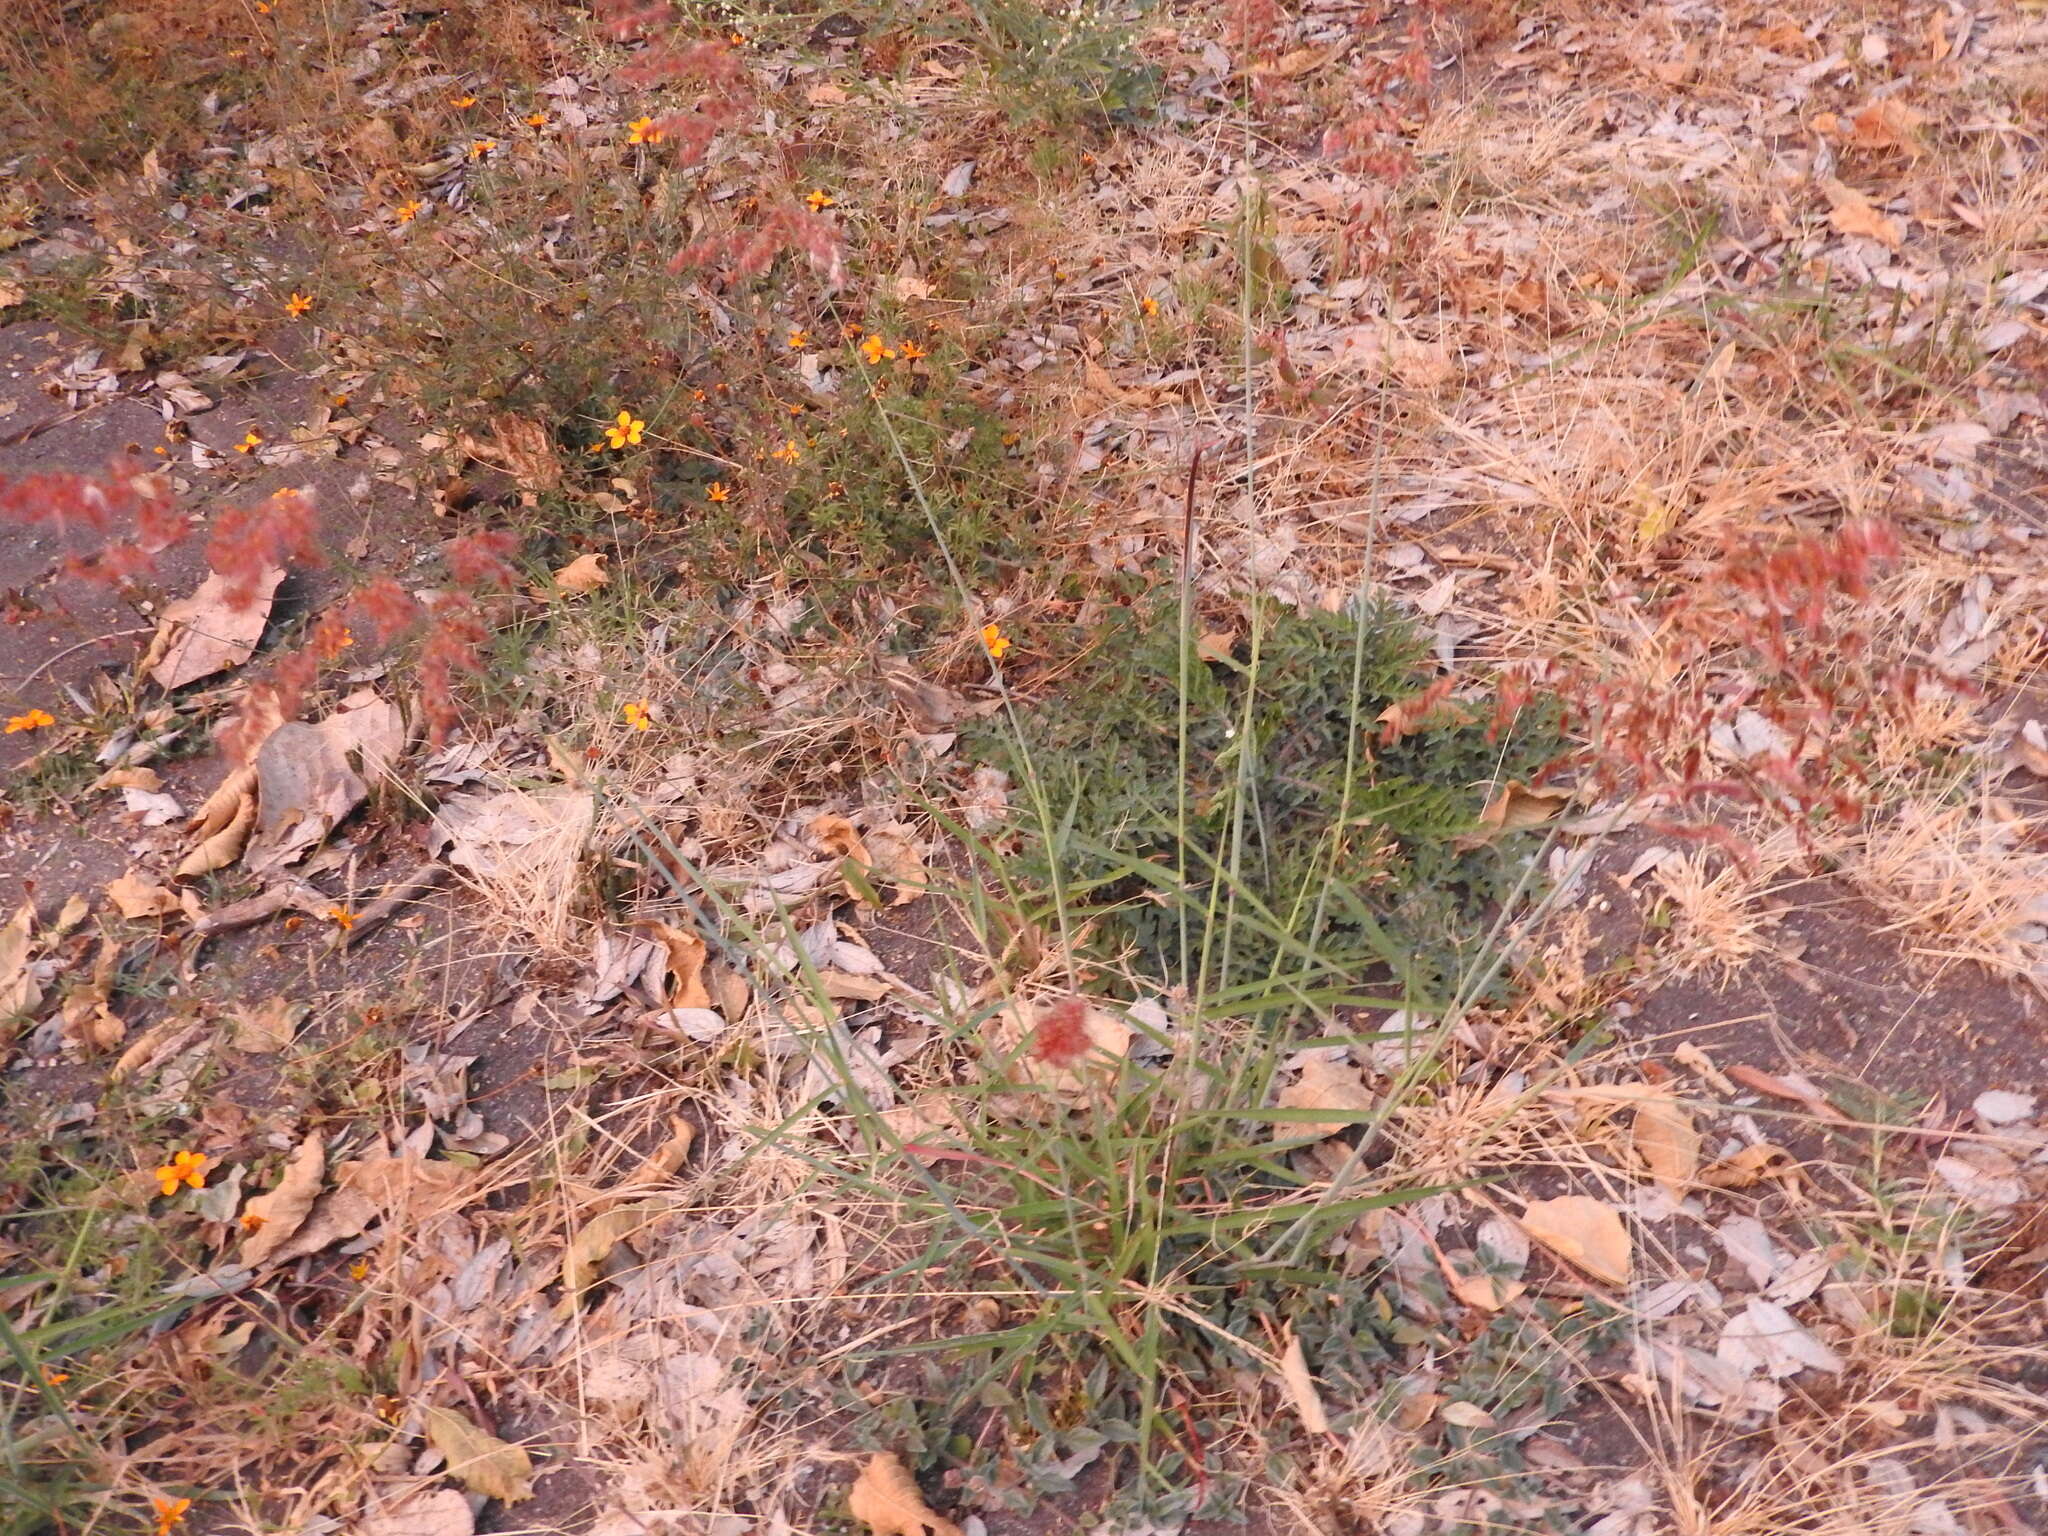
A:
(1765, 1160)
(1585, 1231)
(1323, 1085)
(586, 573)
(686, 954)
(1301, 1387)
(583, 1260)
(1668, 1143)
(263, 1029)
(1516, 808)
(425, 1512)
(206, 633)
(135, 896)
(886, 1499)
(1854, 214)
(223, 847)
(521, 447)
(272, 1220)
(308, 777)
(20, 992)
(896, 854)
(481, 1462)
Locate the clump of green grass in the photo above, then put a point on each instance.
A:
(1232, 814)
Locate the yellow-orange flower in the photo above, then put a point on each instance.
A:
(994, 641)
(626, 431)
(251, 441)
(788, 453)
(716, 491)
(642, 130)
(462, 101)
(183, 1168)
(55, 1378)
(874, 349)
(170, 1513)
(820, 199)
(1148, 306)
(911, 351)
(298, 304)
(342, 918)
(637, 715)
(797, 339)
(34, 720)
(480, 147)
(536, 119)
(407, 211)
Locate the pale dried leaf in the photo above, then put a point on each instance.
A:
(1854, 214)
(686, 955)
(1744, 1168)
(481, 1462)
(20, 992)
(583, 1260)
(206, 633)
(223, 847)
(272, 1220)
(886, 1499)
(426, 1512)
(1765, 1337)
(1301, 1387)
(1587, 1232)
(263, 1029)
(1668, 1143)
(134, 895)
(584, 574)
(1323, 1084)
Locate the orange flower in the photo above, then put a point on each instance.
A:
(716, 491)
(788, 453)
(874, 349)
(911, 351)
(626, 431)
(341, 917)
(359, 1271)
(170, 1513)
(820, 200)
(637, 715)
(797, 339)
(34, 720)
(55, 1378)
(643, 131)
(480, 147)
(183, 1168)
(462, 101)
(1148, 306)
(994, 641)
(536, 119)
(298, 304)
(251, 441)
(407, 211)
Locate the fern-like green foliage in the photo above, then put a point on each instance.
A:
(1284, 869)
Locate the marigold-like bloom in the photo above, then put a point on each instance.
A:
(251, 441)
(994, 641)
(298, 304)
(462, 101)
(183, 1168)
(625, 432)
(716, 491)
(820, 200)
(874, 349)
(637, 715)
(408, 210)
(34, 720)
(788, 453)
(480, 147)
(536, 119)
(170, 1513)
(642, 130)
(911, 351)
(797, 339)
(341, 917)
